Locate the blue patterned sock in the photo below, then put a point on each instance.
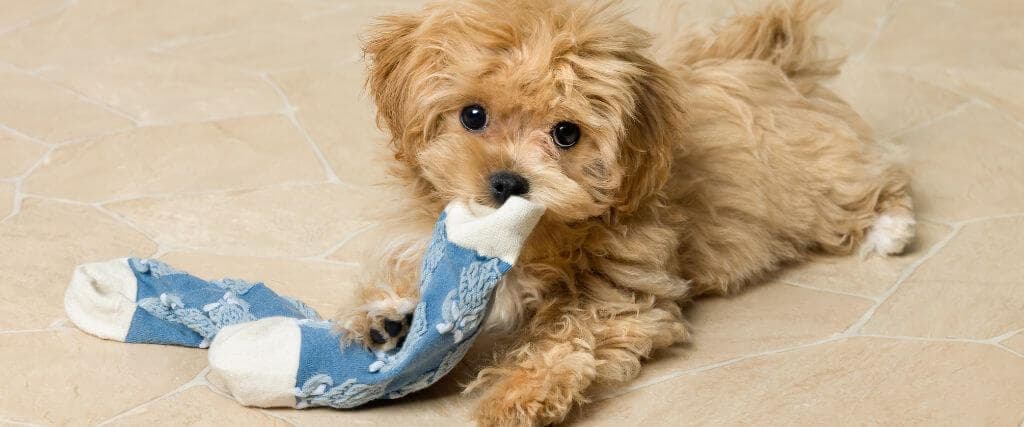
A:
(269, 350)
(468, 254)
(146, 301)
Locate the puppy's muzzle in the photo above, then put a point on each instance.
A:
(505, 184)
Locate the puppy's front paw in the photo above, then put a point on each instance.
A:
(380, 325)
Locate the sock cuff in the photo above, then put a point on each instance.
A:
(100, 299)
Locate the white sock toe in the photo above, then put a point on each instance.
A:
(256, 362)
(890, 235)
(100, 299)
(498, 233)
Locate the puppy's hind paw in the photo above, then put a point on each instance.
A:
(889, 235)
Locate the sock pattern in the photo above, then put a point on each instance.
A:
(168, 306)
(270, 350)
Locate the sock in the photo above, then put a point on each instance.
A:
(304, 364)
(268, 350)
(146, 301)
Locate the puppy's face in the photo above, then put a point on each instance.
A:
(544, 99)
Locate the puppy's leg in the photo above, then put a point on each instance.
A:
(568, 347)
(389, 295)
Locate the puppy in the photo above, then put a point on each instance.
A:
(663, 180)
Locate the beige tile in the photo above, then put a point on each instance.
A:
(847, 30)
(6, 198)
(338, 114)
(100, 28)
(853, 25)
(973, 288)
(892, 101)
(17, 154)
(870, 277)
(67, 377)
(196, 406)
(1001, 87)
(298, 221)
(325, 286)
(951, 309)
(40, 247)
(857, 381)
(360, 245)
(18, 13)
(50, 113)
(157, 88)
(987, 251)
(1015, 343)
(230, 154)
(967, 165)
(762, 318)
(952, 34)
(320, 40)
(199, 61)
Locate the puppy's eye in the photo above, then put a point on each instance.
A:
(473, 117)
(565, 134)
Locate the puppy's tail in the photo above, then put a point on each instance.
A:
(781, 33)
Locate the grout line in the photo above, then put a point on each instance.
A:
(19, 184)
(90, 100)
(197, 381)
(55, 199)
(907, 272)
(11, 421)
(207, 120)
(213, 389)
(156, 124)
(25, 136)
(831, 291)
(124, 221)
(989, 218)
(1009, 350)
(37, 74)
(290, 113)
(909, 71)
(677, 374)
(91, 138)
(959, 108)
(281, 185)
(28, 331)
(999, 339)
(58, 325)
(881, 24)
(928, 339)
(334, 248)
(275, 416)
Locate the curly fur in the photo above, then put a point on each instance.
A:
(696, 174)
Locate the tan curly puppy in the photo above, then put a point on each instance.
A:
(662, 180)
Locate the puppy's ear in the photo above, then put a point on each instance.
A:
(653, 132)
(394, 66)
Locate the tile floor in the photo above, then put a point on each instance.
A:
(232, 137)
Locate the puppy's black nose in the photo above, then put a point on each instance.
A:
(505, 184)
